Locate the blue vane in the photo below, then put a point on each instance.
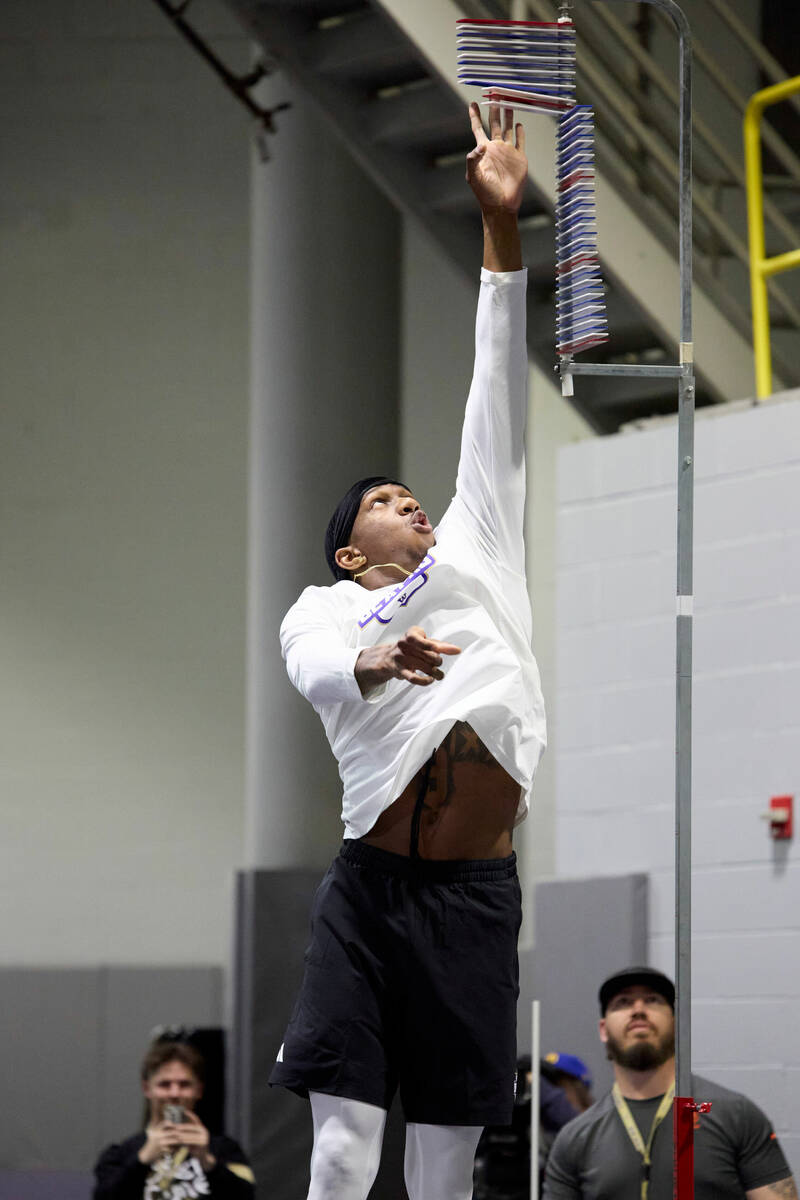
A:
(580, 295)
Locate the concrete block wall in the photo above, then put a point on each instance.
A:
(614, 717)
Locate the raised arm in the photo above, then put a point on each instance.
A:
(490, 488)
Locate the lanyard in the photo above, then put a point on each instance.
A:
(632, 1129)
(165, 1176)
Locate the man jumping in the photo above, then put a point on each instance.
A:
(419, 664)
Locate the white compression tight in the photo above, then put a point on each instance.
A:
(347, 1150)
(440, 1160)
(347, 1147)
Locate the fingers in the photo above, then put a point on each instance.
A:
(477, 124)
(415, 657)
(418, 658)
(447, 648)
(419, 680)
(418, 636)
(473, 159)
(168, 1139)
(193, 1137)
(520, 137)
(501, 124)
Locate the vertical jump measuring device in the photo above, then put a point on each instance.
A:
(531, 66)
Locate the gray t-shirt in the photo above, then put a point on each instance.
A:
(735, 1149)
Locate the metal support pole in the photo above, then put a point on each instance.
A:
(536, 1063)
(684, 1171)
(685, 597)
(683, 665)
(683, 745)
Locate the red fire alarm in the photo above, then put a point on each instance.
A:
(781, 817)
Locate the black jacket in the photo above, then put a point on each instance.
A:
(120, 1176)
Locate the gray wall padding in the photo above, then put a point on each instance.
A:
(50, 1050)
(45, 1185)
(585, 930)
(273, 909)
(71, 1042)
(272, 923)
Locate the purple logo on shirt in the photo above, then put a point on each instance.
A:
(402, 593)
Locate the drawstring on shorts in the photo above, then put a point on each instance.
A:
(422, 791)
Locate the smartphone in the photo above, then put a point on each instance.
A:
(174, 1113)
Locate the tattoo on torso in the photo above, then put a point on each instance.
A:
(462, 745)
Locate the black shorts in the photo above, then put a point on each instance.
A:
(411, 981)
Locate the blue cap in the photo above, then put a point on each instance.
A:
(570, 1064)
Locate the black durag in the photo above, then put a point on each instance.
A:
(341, 523)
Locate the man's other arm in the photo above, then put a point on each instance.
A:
(562, 1177)
(761, 1163)
(327, 671)
(784, 1189)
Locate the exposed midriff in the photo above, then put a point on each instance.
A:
(469, 807)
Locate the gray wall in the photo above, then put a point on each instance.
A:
(615, 717)
(124, 249)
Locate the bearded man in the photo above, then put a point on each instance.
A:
(621, 1148)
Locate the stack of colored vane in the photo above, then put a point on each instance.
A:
(528, 65)
(580, 296)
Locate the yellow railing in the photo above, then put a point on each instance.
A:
(761, 267)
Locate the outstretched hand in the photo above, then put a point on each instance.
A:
(497, 167)
(414, 657)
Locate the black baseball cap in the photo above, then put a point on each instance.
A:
(631, 976)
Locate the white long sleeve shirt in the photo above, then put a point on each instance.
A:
(469, 590)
